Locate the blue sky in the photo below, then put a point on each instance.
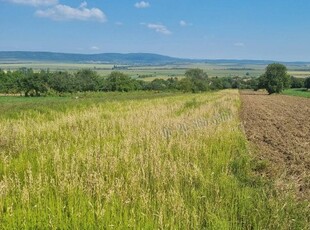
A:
(229, 29)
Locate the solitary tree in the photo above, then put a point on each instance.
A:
(307, 83)
(275, 79)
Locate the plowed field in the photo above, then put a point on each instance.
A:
(279, 128)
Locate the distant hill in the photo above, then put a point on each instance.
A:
(114, 58)
(118, 58)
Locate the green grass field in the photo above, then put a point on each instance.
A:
(134, 161)
(164, 71)
(297, 92)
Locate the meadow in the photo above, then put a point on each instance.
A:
(140, 160)
(156, 71)
(297, 92)
(149, 73)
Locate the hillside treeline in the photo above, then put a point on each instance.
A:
(29, 83)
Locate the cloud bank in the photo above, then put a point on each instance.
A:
(52, 9)
(63, 12)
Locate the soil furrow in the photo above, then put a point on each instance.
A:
(278, 126)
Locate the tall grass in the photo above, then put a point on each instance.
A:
(178, 162)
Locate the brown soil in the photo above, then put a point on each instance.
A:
(279, 128)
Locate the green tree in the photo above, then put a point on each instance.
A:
(172, 83)
(9, 82)
(3, 82)
(118, 81)
(61, 82)
(198, 78)
(297, 82)
(307, 83)
(32, 84)
(275, 79)
(216, 83)
(185, 85)
(86, 80)
(159, 84)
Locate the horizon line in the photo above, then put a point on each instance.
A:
(165, 55)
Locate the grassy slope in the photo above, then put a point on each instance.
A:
(297, 92)
(166, 161)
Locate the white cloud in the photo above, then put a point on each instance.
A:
(34, 2)
(159, 28)
(184, 23)
(239, 44)
(94, 48)
(142, 4)
(83, 4)
(64, 12)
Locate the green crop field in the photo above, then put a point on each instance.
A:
(140, 160)
(297, 92)
(160, 71)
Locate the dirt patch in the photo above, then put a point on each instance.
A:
(279, 128)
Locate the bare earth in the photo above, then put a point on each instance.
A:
(279, 128)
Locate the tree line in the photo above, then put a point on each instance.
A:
(29, 83)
